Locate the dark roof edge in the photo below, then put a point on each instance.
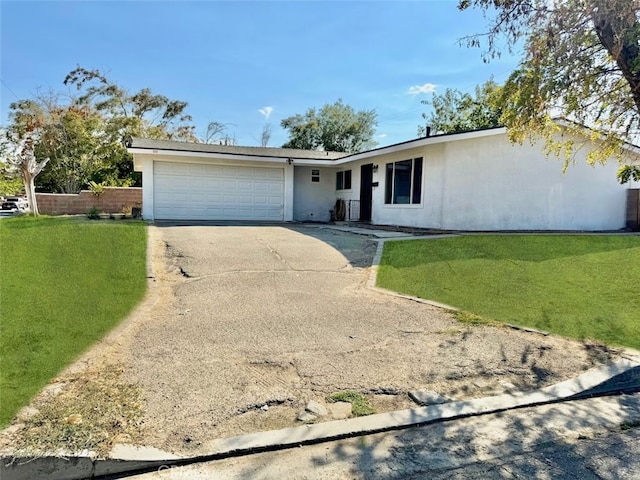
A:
(129, 144)
(220, 153)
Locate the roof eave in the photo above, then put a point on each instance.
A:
(226, 156)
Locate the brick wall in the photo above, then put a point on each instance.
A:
(633, 209)
(112, 200)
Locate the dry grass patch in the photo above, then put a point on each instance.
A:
(92, 412)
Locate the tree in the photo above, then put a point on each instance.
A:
(215, 131)
(138, 114)
(73, 137)
(10, 184)
(265, 135)
(581, 63)
(335, 127)
(84, 136)
(455, 111)
(18, 155)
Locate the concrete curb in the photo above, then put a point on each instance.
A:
(128, 458)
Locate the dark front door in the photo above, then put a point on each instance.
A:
(366, 180)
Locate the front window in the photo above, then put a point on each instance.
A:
(343, 180)
(403, 185)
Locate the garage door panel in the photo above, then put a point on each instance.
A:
(275, 174)
(162, 167)
(217, 192)
(245, 173)
(246, 185)
(245, 199)
(277, 189)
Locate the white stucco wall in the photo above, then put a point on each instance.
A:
(489, 184)
(312, 201)
(144, 164)
(288, 193)
(479, 183)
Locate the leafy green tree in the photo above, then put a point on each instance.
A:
(84, 136)
(335, 127)
(455, 111)
(72, 137)
(141, 114)
(581, 62)
(9, 183)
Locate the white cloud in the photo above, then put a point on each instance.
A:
(266, 111)
(382, 135)
(418, 89)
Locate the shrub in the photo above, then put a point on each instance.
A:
(93, 214)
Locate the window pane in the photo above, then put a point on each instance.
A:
(339, 180)
(347, 180)
(402, 182)
(388, 184)
(417, 180)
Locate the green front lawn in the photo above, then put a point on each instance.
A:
(580, 286)
(64, 283)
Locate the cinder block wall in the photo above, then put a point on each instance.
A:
(112, 200)
(633, 209)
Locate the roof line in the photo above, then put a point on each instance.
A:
(197, 151)
(440, 135)
(343, 157)
(284, 157)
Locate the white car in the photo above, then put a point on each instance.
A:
(15, 204)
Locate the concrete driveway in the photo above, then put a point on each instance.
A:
(251, 322)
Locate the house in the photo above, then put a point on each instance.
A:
(472, 181)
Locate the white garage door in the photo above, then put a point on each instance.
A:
(186, 191)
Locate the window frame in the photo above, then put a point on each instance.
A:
(344, 180)
(415, 175)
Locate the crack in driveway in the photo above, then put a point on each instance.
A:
(320, 332)
(273, 251)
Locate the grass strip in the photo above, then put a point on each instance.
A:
(578, 286)
(64, 283)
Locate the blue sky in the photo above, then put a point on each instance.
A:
(229, 60)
